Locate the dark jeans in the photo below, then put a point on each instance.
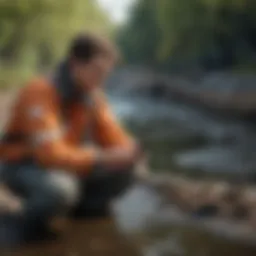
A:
(47, 193)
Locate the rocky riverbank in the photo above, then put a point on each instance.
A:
(226, 92)
(215, 207)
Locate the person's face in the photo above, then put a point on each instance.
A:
(93, 73)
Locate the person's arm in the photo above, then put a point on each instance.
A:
(108, 132)
(41, 113)
(13, 151)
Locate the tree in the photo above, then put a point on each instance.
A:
(36, 33)
(207, 33)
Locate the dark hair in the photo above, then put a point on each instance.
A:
(86, 46)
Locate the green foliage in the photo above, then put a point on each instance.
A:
(139, 39)
(35, 33)
(204, 33)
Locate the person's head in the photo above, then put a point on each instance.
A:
(91, 59)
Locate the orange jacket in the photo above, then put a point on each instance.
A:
(54, 139)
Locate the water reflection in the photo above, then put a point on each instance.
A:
(182, 137)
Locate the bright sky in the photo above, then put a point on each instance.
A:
(117, 9)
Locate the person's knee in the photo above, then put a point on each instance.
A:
(64, 189)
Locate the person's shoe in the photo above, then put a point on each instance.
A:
(42, 235)
(10, 235)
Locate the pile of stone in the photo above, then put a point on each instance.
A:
(222, 199)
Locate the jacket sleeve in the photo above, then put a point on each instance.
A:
(41, 110)
(12, 152)
(108, 131)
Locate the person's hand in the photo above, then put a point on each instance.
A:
(119, 158)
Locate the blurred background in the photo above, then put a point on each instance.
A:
(186, 86)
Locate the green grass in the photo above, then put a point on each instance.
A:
(14, 76)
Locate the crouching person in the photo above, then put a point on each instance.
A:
(48, 161)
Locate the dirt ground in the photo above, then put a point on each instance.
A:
(90, 238)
